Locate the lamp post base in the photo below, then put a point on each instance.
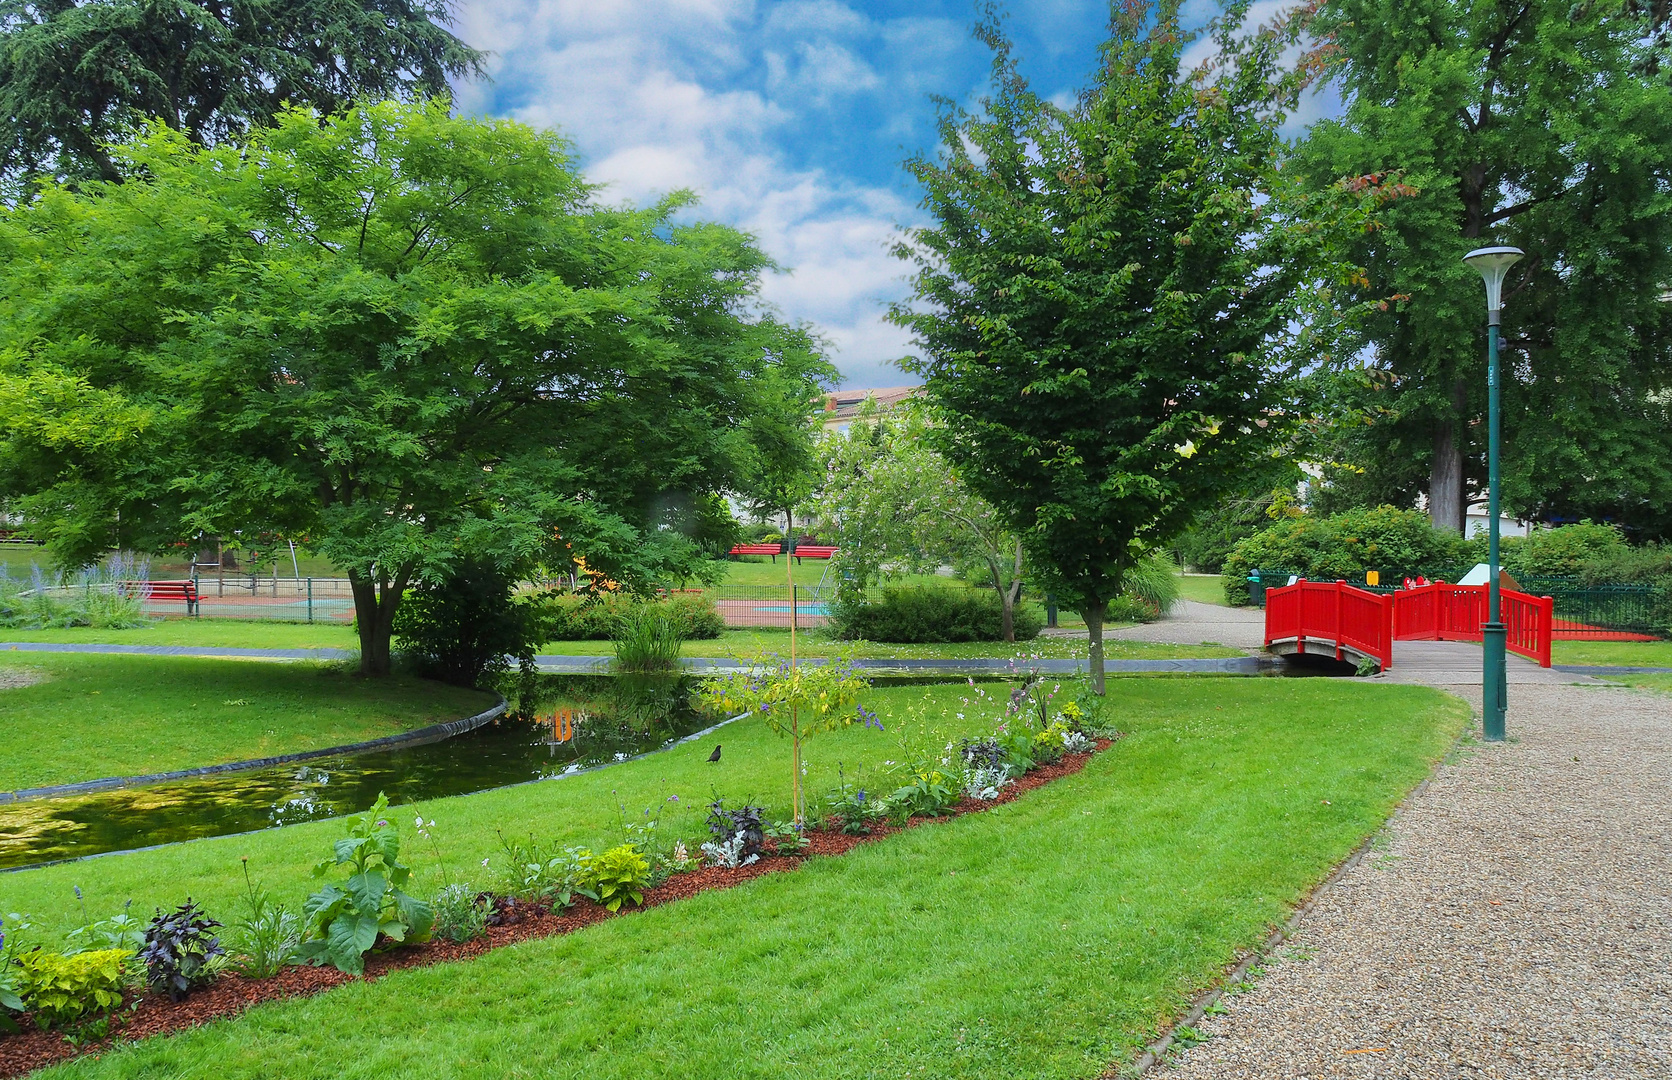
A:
(1494, 697)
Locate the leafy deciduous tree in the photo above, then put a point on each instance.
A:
(409, 338)
(1104, 302)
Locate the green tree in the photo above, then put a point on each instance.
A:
(411, 339)
(77, 76)
(1540, 124)
(893, 505)
(1106, 301)
(783, 468)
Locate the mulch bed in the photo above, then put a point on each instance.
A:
(155, 1014)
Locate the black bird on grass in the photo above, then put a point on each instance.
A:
(716, 755)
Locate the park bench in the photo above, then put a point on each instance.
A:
(167, 590)
(757, 549)
(813, 551)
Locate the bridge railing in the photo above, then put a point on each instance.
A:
(1334, 612)
(1369, 623)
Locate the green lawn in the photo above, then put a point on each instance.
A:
(1660, 682)
(1046, 938)
(97, 716)
(251, 634)
(1613, 653)
(1202, 588)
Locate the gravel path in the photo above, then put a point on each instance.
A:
(1192, 623)
(1517, 921)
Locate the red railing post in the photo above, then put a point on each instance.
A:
(1546, 628)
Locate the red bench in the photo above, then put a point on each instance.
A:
(757, 549)
(167, 590)
(813, 551)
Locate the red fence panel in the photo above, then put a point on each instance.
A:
(1531, 621)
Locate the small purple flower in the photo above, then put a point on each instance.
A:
(77, 889)
(869, 718)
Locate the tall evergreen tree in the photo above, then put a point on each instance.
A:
(1529, 122)
(76, 76)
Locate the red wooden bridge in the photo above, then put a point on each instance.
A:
(1333, 617)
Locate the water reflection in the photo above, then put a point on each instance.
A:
(605, 727)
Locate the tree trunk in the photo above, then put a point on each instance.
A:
(1094, 624)
(1446, 500)
(376, 598)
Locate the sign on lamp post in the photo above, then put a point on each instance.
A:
(1493, 263)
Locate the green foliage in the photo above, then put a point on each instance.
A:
(646, 639)
(1106, 308)
(1047, 747)
(265, 937)
(1564, 551)
(77, 76)
(61, 989)
(123, 930)
(615, 877)
(919, 614)
(464, 628)
(345, 921)
(1154, 582)
(927, 792)
(854, 810)
(1538, 124)
(1344, 546)
(12, 928)
(1206, 545)
(461, 914)
(566, 616)
(412, 338)
(1019, 747)
(102, 596)
(539, 874)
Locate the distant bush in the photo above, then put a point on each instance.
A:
(1582, 549)
(1343, 546)
(105, 596)
(578, 617)
(917, 616)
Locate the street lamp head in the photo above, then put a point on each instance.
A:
(1493, 263)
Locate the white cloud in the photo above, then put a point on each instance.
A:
(670, 94)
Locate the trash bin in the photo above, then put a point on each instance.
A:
(1256, 589)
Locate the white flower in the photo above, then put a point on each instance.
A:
(484, 862)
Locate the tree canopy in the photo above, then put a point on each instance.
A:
(1106, 306)
(1533, 123)
(404, 338)
(76, 76)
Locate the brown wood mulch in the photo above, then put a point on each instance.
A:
(155, 1014)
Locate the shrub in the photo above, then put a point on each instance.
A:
(1047, 747)
(62, 989)
(178, 949)
(463, 629)
(1565, 551)
(927, 614)
(345, 921)
(579, 617)
(461, 913)
(1343, 546)
(615, 877)
(100, 596)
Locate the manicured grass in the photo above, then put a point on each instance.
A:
(1042, 939)
(1202, 588)
(97, 716)
(1660, 682)
(250, 634)
(1612, 653)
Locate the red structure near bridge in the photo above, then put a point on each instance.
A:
(1334, 617)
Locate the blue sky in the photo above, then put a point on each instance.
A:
(790, 119)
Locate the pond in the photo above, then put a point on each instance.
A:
(606, 730)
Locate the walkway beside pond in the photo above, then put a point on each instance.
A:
(1513, 920)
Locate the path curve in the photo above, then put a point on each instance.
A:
(1513, 921)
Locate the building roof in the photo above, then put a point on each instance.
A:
(842, 406)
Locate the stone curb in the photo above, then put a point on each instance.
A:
(416, 737)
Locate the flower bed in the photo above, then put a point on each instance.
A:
(151, 1014)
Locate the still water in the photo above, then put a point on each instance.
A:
(502, 753)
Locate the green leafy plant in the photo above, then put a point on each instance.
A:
(541, 875)
(266, 937)
(615, 877)
(62, 989)
(180, 950)
(1048, 746)
(464, 628)
(568, 616)
(788, 837)
(461, 913)
(927, 792)
(123, 930)
(1019, 747)
(345, 921)
(646, 640)
(12, 927)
